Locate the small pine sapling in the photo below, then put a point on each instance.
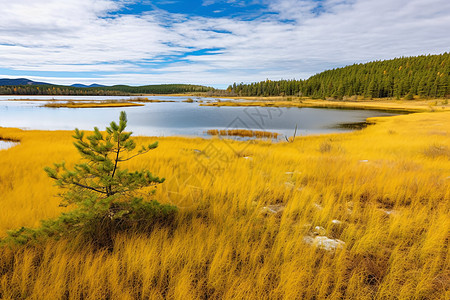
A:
(105, 196)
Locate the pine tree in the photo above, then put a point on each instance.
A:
(100, 176)
(104, 196)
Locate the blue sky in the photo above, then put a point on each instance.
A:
(211, 42)
(211, 9)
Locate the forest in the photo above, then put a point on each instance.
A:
(426, 76)
(116, 90)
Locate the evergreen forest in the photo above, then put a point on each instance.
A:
(426, 76)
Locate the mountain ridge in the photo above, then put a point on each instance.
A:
(80, 85)
(21, 81)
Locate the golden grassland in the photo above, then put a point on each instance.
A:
(388, 185)
(380, 104)
(243, 133)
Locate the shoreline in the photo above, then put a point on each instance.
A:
(390, 105)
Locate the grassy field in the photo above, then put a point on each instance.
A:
(250, 214)
(381, 104)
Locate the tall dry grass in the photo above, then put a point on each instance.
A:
(390, 194)
(243, 133)
(380, 103)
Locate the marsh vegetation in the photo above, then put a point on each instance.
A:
(243, 133)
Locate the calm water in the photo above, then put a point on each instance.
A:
(177, 118)
(5, 145)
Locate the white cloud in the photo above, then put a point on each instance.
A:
(83, 36)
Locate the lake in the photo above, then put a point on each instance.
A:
(177, 118)
(7, 144)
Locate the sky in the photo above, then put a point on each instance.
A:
(210, 42)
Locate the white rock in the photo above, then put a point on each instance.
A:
(337, 222)
(364, 161)
(328, 244)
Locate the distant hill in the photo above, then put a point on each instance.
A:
(86, 86)
(20, 81)
(426, 76)
(25, 81)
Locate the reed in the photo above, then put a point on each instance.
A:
(243, 133)
(387, 188)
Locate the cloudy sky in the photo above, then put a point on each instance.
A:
(211, 42)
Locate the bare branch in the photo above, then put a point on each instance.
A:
(295, 132)
(293, 138)
(137, 154)
(88, 187)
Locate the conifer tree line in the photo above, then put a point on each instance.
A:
(117, 90)
(424, 76)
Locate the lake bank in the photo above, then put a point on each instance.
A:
(385, 105)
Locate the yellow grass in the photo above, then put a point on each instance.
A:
(388, 184)
(243, 133)
(381, 104)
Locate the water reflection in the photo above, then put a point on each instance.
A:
(178, 118)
